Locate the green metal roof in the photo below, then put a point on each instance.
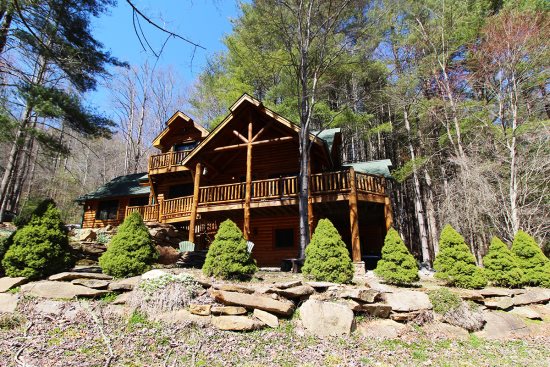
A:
(328, 136)
(380, 167)
(128, 185)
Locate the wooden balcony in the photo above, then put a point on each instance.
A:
(324, 187)
(167, 162)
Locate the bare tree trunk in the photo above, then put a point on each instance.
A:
(425, 247)
(513, 186)
(430, 212)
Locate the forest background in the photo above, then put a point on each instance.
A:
(454, 92)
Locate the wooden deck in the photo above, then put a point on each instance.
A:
(324, 187)
(167, 162)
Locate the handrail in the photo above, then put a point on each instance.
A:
(181, 206)
(147, 212)
(273, 188)
(169, 159)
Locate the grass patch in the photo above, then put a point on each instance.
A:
(138, 318)
(109, 297)
(14, 290)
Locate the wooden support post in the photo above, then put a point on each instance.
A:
(248, 187)
(195, 204)
(161, 206)
(354, 218)
(388, 215)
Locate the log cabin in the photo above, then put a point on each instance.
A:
(246, 170)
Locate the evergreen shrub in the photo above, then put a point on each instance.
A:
(131, 251)
(228, 256)
(397, 265)
(33, 206)
(531, 259)
(455, 263)
(40, 248)
(501, 265)
(327, 258)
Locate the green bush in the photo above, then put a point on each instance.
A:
(443, 300)
(397, 265)
(455, 263)
(535, 266)
(131, 251)
(327, 258)
(228, 255)
(501, 265)
(40, 248)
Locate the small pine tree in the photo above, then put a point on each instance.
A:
(397, 265)
(455, 263)
(535, 266)
(131, 251)
(228, 256)
(327, 258)
(501, 265)
(40, 248)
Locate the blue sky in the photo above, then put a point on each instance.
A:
(202, 21)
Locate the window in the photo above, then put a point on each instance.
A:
(185, 146)
(178, 191)
(107, 210)
(284, 237)
(140, 201)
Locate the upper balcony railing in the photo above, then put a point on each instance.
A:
(167, 160)
(328, 183)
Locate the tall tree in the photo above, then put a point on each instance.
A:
(57, 59)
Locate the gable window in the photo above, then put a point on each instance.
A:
(139, 201)
(107, 210)
(185, 146)
(284, 237)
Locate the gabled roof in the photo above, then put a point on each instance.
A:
(128, 185)
(380, 167)
(178, 116)
(328, 135)
(240, 103)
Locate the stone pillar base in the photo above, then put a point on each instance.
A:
(359, 269)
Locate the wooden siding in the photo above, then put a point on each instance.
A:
(90, 208)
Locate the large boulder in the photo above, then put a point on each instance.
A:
(235, 323)
(534, 295)
(503, 325)
(407, 301)
(64, 290)
(8, 302)
(71, 275)
(295, 292)
(87, 235)
(123, 285)
(499, 303)
(252, 301)
(7, 283)
(360, 294)
(267, 318)
(382, 329)
(326, 318)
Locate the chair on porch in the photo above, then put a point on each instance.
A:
(187, 246)
(249, 246)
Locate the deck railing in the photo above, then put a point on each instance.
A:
(274, 188)
(178, 207)
(148, 212)
(167, 160)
